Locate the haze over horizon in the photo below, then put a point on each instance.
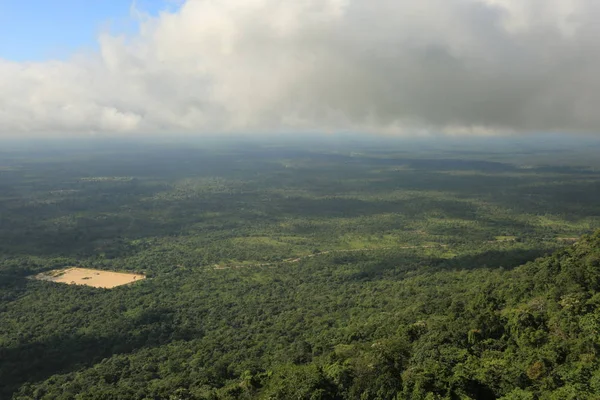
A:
(458, 67)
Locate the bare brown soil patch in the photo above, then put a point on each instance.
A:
(89, 277)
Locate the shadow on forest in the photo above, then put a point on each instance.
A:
(64, 354)
(397, 266)
(12, 287)
(507, 259)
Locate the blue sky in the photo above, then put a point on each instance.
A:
(37, 30)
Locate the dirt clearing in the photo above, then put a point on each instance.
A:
(90, 277)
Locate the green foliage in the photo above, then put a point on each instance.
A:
(292, 273)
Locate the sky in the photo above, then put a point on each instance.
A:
(388, 67)
(37, 30)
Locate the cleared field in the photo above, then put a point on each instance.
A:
(89, 277)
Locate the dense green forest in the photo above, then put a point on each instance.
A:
(331, 269)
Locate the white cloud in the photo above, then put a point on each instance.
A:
(455, 66)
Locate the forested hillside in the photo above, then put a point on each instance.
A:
(327, 330)
(287, 273)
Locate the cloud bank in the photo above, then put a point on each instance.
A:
(383, 66)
